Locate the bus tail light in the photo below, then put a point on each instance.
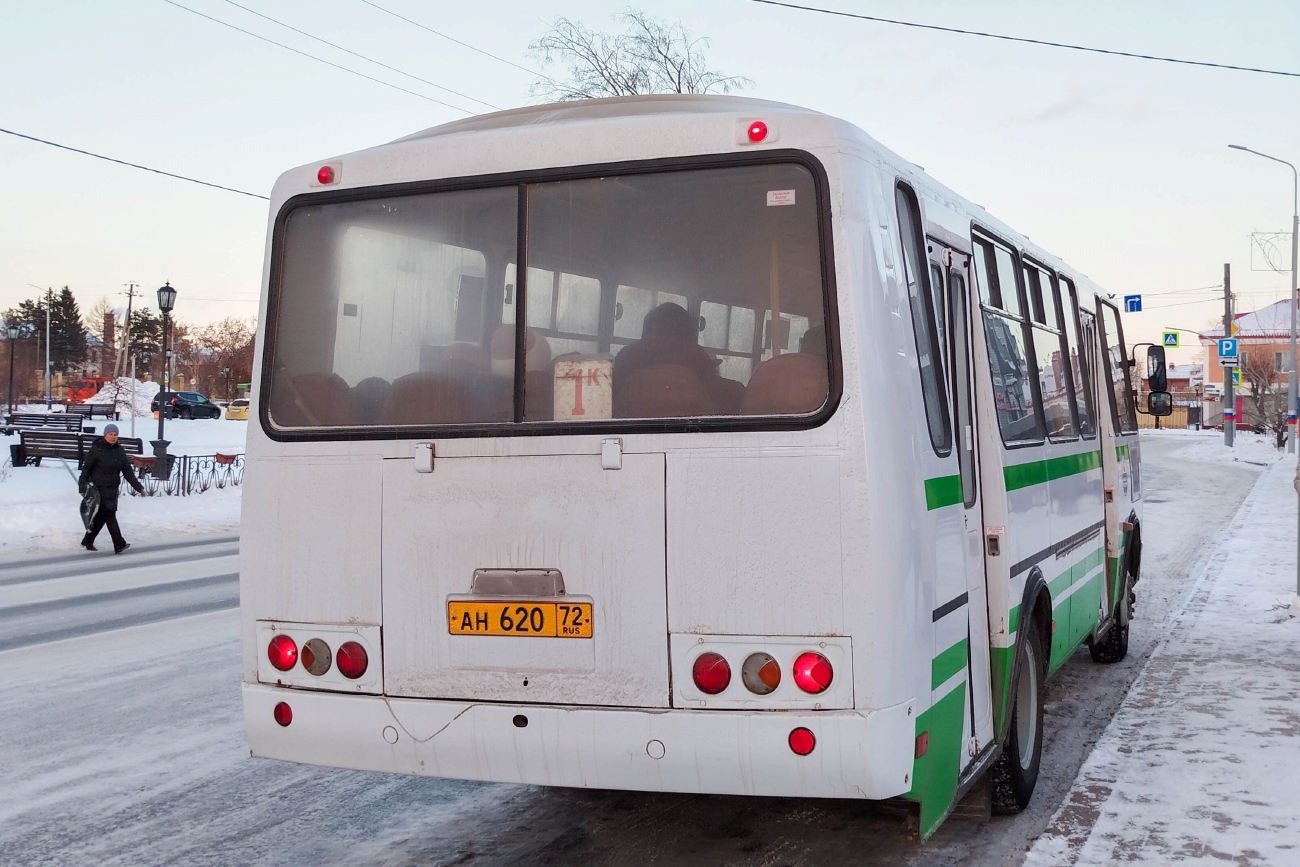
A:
(315, 657)
(352, 660)
(802, 741)
(812, 672)
(757, 131)
(711, 673)
(761, 673)
(283, 713)
(282, 652)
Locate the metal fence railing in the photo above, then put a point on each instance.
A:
(190, 474)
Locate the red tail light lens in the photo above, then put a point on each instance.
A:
(812, 672)
(352, 660)
(283, 714)
(757, 131)
(282, 652)
(711, 673)
(325, 174)
(802, 741)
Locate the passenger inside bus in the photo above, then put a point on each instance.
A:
(668, 373)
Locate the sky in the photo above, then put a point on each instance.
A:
(1119, 166)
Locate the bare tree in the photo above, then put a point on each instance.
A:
(1267, 389)
(649, 56)
(93, 319)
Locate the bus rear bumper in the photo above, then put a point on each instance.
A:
(858, 754)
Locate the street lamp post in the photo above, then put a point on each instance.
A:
(14, 331)
(166, 301)
(226, 371)
(1291, 387)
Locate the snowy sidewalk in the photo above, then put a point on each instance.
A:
(1202, 761)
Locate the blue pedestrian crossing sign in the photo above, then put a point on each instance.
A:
(1227, 347)
(1169, 339)
(1132, 303)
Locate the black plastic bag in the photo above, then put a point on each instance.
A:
(89, 506)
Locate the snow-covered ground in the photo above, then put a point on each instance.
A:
(1202, 761)
(38, 505)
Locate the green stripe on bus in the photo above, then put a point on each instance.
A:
(943, 491)
(1062, 582)
(935, 773)
(1121, 452)
(947, 664)
(1036, 472)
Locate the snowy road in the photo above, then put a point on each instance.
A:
(52, 598)
(126, 746)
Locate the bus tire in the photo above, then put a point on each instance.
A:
(1015, 773)
(1114, 647)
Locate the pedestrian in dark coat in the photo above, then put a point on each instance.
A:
(106, 464)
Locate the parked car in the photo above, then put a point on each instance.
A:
(186, 404)
(238, 410)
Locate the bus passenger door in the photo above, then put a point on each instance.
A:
(968, 461)
(949, 269)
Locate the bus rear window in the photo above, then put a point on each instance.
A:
(645, 296)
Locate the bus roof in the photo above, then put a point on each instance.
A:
(611, 108)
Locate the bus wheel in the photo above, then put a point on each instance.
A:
(1016, 771)
(1114, 646)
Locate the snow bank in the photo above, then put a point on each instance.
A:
(131, 397)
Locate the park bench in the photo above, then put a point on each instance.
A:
(91, 410)
(36, 444)
(44, 420)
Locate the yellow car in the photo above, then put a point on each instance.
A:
(237, 410)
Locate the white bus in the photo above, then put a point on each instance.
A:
(675, 443)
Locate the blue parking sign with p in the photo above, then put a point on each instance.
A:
(1227, 347)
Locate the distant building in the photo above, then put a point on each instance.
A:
(1263, 335)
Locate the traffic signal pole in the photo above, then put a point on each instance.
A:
(1229, 403)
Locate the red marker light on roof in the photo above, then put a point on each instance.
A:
(325, 174)
(757, 131)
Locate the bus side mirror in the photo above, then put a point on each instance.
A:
(1160, 403)
(1157, 377)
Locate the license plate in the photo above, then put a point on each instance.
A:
(519, 618)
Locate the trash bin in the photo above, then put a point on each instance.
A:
(16, 454)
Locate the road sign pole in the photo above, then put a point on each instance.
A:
(1229, 404)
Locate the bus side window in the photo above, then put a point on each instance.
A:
(1014, 389)
(924, 331)
(1050, 354)
(1121, 397)
(1078, 368)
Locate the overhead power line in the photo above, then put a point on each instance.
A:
(1043, 42)
(317, 59)
(458, 42)
(362, 56)
(132, 165)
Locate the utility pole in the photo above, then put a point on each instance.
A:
(1229, 403)
(49, 299)
(120, 365)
